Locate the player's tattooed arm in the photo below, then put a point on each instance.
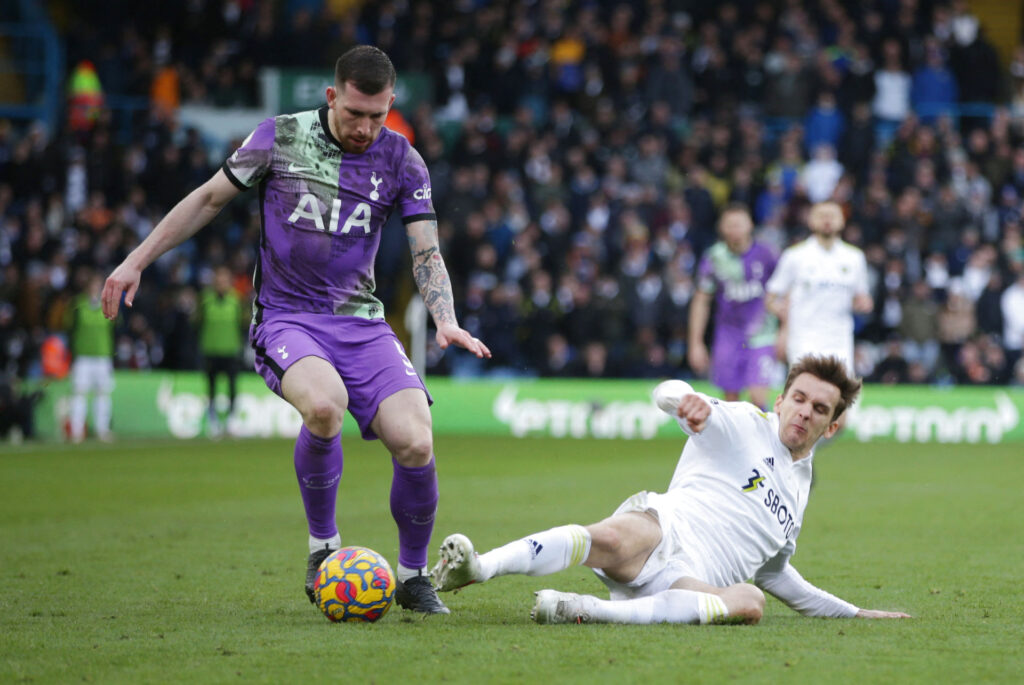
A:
(435, 286)
(429, 271)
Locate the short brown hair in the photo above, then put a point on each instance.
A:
(367, 67)
(831, 370)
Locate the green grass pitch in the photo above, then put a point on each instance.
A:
(183, 562)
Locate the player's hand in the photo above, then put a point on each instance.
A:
(124, 280)
(695, 410)
(698, 358)
(450, 333)
(872, 613)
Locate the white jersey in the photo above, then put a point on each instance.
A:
(733, 509)
(821, 285)
(740, 491)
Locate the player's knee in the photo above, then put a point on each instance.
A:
(744, 601)
(323, 416)
(610, 544)
(605, 540)
(623, 539)
(414, 448)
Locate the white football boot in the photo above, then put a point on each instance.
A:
(560, 607)
(458, 565)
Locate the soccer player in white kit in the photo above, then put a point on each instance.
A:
(732, 512)
(817, 287)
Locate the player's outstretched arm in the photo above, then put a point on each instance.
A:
(781, 580)
(181, 223)
(435, 286)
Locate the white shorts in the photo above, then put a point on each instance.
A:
(92, 374)
(671, 560)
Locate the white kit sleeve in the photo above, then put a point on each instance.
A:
(860, 284)
(780, 579)
(781, 280)
(667, 396)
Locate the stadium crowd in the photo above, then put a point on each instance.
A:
(580, 153)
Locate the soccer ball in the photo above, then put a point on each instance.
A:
(354, 584)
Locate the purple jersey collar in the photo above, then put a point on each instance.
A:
(327, 128)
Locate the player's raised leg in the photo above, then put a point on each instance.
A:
(403, 424)
(619, 545)
(314, 388)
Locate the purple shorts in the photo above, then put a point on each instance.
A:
(735, 366)
(365, 352)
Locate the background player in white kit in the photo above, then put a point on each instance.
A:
(817, 287)
(732, 512)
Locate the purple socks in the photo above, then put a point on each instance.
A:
(318, 466)
(413, 504)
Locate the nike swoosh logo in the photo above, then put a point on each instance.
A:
(293, 167)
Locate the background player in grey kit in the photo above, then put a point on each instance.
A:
(328, 180)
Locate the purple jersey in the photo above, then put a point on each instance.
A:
(322, 211)
(737, 282)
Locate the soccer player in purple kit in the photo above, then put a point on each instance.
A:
(328, 179)
(734, 271)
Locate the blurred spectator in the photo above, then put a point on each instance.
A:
(893, 367)
(824, 124)
(1012, 307)
(988, 307)
(919, 326)
(788, 91)
(934, 90)
(85, 99)
(821, 174)
(956, 325)
(17, 419)
(891, 104)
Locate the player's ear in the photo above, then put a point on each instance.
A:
(332, 95)
(832, 428)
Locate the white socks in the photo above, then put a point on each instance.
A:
(539, 554)
(668, 606)
(79, 409)
(331, 543)
(403, 573)
(101, 410)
